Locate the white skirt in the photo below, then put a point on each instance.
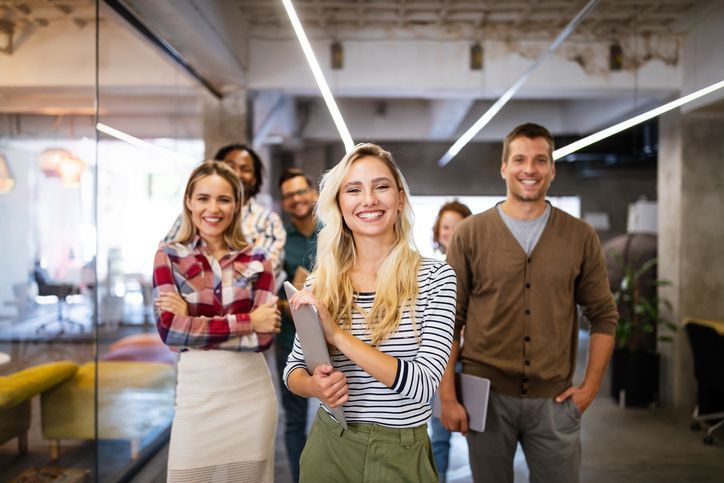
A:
(225, 421)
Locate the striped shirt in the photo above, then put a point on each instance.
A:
(421, 359)
(220, 295)
(261, 227)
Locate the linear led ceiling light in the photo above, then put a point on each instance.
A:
(140, 143)
(503, 100)
(594, 138)
(318, 76)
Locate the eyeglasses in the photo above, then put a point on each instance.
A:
(301, 192)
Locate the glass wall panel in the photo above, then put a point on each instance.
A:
(86, 386)
(47, 241)
(149, 141)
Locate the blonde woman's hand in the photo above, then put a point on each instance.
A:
(329, 386)
(172, 302)
(266, 318)
(329, 326)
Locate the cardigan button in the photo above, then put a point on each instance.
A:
(527, 285)
(527, 363)
(526, 338)
(527, 312)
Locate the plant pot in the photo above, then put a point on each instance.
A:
(637, 375)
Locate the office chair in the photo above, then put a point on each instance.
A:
(61, 291)
(706, 338)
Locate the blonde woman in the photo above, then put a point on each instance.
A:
(388, 313)
(215, 304)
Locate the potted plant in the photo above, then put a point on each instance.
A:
(635, 362)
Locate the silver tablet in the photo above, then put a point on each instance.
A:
(473, 392)
(314, 346)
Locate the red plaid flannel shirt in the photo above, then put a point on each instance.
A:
(218, 307)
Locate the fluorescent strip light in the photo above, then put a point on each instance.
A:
(503, 100)
(594, 138)
(140, 143)
(318, 76)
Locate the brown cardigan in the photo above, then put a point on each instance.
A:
(519, 312)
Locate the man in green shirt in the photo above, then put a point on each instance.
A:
(299, 198)
(523, 267)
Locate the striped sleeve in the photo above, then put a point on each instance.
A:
(295, 360)
(417, 378)
(187, 330)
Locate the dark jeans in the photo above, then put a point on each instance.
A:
(295, 413)
(440, 447)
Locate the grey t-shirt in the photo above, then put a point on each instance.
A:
(527, 232)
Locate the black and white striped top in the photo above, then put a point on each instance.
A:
(422, 360)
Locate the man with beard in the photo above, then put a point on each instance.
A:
(261, 226)
(299, 198)
(522, 268)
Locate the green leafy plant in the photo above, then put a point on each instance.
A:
(640, 314)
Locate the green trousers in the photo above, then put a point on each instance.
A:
(366, 453)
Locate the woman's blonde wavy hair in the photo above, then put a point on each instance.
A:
(233, 235)
(396, 287)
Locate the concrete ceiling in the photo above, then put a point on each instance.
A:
(216, 36)
(489, 18)
(20, 14)
(406, 73)
(484, 19)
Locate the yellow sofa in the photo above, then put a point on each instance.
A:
(134, 398)
(18, 389)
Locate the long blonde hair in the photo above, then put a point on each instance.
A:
(396, 286)
(233, 236)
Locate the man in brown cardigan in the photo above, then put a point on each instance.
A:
(523, 267)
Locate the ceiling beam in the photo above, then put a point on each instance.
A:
(163, 45)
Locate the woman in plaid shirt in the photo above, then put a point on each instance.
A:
(215, 304)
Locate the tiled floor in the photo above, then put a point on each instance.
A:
(619, 445)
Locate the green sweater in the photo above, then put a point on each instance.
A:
(519, 312)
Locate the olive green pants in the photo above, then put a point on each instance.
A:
(366, 453)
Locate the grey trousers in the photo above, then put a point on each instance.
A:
(549, 433)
